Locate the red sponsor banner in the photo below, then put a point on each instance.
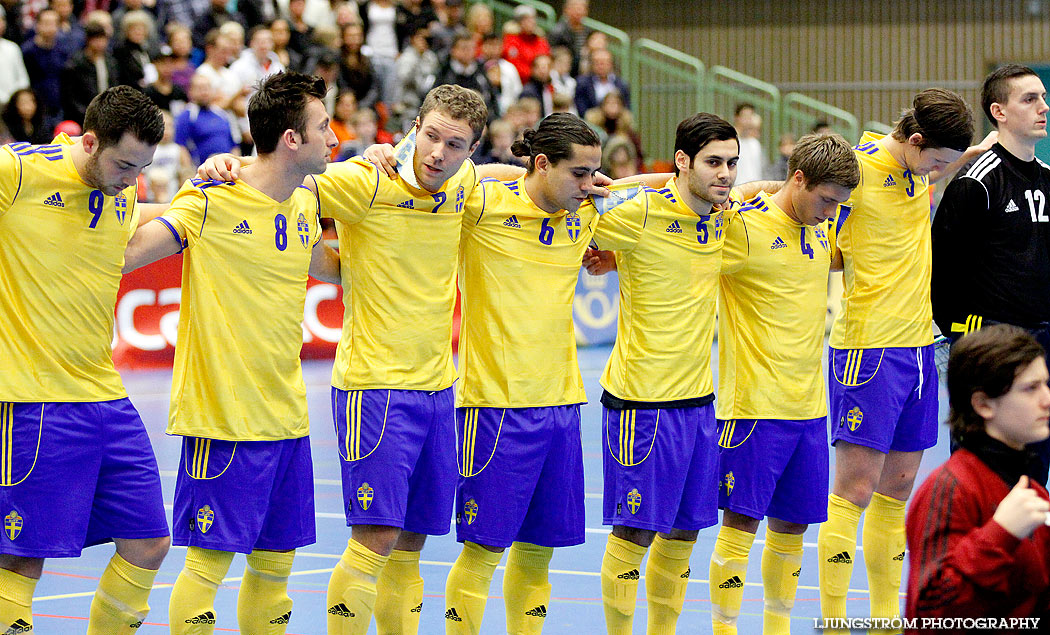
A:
(147, 317)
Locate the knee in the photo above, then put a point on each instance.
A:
(147, 553)
(25, 567)
(377, 538)
(857, 491)
(640, 537)
(410, 541)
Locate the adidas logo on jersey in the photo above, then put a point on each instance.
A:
(19, 626)
(674, 228)
(778, 243)
(797, 573)
(283, 619)
(1011, 207)
(841, 558)
(136, 624)
(242, 228)
(407, 204)
(685, 576)
(451, 613)
(732, 583)
(204, 618)
(341, 610)
(512, 222)
(630, 575)
(539, 611)
(899, 557)
(55, 200)
(418, 609)
(889, 182)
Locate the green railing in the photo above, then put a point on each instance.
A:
(619, 45)
(729, 88)
(674, 89)
(503, 11)
(877, 126)
(799, 113)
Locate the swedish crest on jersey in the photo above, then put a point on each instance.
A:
(572, 225)
(303, 227)
(120, 205)
(13, 524)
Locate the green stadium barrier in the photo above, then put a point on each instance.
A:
(800, 113)
(729, 88)
(674, 88)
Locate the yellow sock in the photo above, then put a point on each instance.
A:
(884, 541)
(726, 578)
(781, 567)
(352, 590)
(467, 589)
(526, 591)
(620, 577)
(400, 595)
(836, 550)
(191, 610)
(666, 578)
(263, 605)
(16, 601)
(120, 602)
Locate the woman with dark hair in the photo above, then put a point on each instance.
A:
(355, 69)
(24, 118)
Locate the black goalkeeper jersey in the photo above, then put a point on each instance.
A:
(991, 245)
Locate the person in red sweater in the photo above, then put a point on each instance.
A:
(523, 41)
(977, 535)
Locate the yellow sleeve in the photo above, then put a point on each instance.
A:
(620, 228)
(736, 248)
(10, 178)
(474, 206)
(186, 214)
(347, 190)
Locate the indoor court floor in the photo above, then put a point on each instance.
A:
(64, 594)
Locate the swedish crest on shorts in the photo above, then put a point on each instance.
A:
(572, 225)
(854, 418)
(470, 510)
(729, 481)
(303, 228)
(13, 524)
(365, 494)
(634, 500)
(205, 518)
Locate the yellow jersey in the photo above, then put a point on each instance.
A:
(237, 375)
(887, 261)
(399, 247)
(668, 259)
(772, 306)
(518, 272)
(61, 251)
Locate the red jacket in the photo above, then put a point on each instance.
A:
(962, 563)
(520, 49)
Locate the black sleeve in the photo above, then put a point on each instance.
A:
(956, 227)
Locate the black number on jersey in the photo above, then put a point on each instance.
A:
(95, 201)
(1036, 205)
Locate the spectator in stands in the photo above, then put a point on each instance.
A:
(502, 75)
(216, 16)
(170, 158)
(44, 62)
(71, 35)
(822, 127)
(318, 12)
(748, 124)
(524, 114)
(416, 69)
(379, 19)
(593, 87)
(413, 15)
(619, 158)
(612, 119)
(183, 12)
(257, 12)
(522, 41)
(123, 7)
(326, 66)
(499, 139)
(449, 24)
(355, 69)
(777, 171)
(13, 75)
(480, 25)
(24, 119)
(12, 29)
(301, 37)
(345, 107)
(570, 31)
(202, 128)
(365, 124)
(163, 91)
(462, 68)
(180, 41)
(282, 38)
(218, 53)
(562, 76)
(539, 85)
(88, 73)
(256, 62)
(596, 41)
(131, 56)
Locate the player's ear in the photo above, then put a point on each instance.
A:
(996, 110)
(681, 160)
(90, 142)
(983, 405)
(541, 162)
(915, 139)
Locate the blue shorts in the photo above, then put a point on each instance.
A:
(661, 468)
(244, 495)
(398, 457)
(74, 475)
(521, 476)
(774, 467)
(883, 398)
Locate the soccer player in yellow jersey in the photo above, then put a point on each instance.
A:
(245, 480)
(518, 414)
(881, 373)
(76, 464)
(773, 455)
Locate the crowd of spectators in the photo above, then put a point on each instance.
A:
(200, 59)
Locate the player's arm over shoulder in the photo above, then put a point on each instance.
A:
(347, 189)
(170, 233)
(10, 178)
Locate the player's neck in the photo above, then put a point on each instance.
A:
(272, 177)
(782, 199)
(699, 206)
(80, 157)
(1020, 147)
(534, 188)
(896, 150)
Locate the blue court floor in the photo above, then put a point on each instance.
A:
(64, 593)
